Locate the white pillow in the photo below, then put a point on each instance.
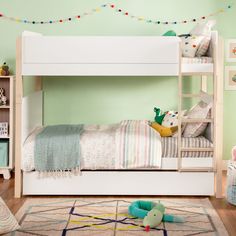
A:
(203, 29)
(8, 222)
(190, 45)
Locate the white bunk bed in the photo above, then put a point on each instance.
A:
(39, 55)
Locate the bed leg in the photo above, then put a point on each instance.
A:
(18, 119)
(219, 75)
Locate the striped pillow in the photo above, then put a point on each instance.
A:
(8, 222)
(203, 48)
(201, 110)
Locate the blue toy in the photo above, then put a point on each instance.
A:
(152, 214)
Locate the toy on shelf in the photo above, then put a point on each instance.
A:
(3, 129)
(3, 98)
(152, 214)
(4, 70)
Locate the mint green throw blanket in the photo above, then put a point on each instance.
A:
(57, 148)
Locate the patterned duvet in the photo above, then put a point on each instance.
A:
(100, 150)
(127, 145)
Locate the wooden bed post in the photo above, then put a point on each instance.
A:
(38, 83)
(180, 87)
(219, 117)
(18, 118)
(204, 83)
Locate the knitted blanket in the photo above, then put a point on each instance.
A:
(57, 148)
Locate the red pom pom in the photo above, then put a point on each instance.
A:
(194, 45)
(1, 15)
(126, 13)
(112, 5)
(147, 228)
(61, 21)
(78, 17)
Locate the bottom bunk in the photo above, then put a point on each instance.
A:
(134, 145)
(129, 158)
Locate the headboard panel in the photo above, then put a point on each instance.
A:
(32, 113)
(82, 55)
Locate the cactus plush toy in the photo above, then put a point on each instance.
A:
(152, 214)
(159, 116)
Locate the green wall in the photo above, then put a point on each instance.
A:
(110, 99)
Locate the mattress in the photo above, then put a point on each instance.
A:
(197, 60)
(100, 153)
(170, 147)
(197, 65)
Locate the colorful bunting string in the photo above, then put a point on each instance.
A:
(117, 10)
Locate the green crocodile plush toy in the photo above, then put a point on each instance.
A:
(152, 214)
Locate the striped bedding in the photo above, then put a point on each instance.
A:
(170, 147)
(138, 145)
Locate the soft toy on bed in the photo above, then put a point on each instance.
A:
(152, 214)
(164, 131)
(165, 123)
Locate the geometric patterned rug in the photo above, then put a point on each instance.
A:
(109, 217)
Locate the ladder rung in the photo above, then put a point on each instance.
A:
(191, 149)
(195, 120)
(197, 169)
(197, 73)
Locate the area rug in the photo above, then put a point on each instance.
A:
(109, 217)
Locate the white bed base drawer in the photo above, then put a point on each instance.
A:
(122, 183)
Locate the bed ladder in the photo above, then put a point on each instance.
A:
(181, 120)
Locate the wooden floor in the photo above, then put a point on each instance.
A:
(226, 211)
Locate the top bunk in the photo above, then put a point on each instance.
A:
(109, 56)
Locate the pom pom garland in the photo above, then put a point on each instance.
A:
(118, 10)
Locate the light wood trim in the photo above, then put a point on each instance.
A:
(4, 107)
(38, 83)
(204, 83)
(197, 74)
(190, 95)
(218, 116)
(180, 92)
(10, 110)
(18, 119)
(199, 169)
(11, 122)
